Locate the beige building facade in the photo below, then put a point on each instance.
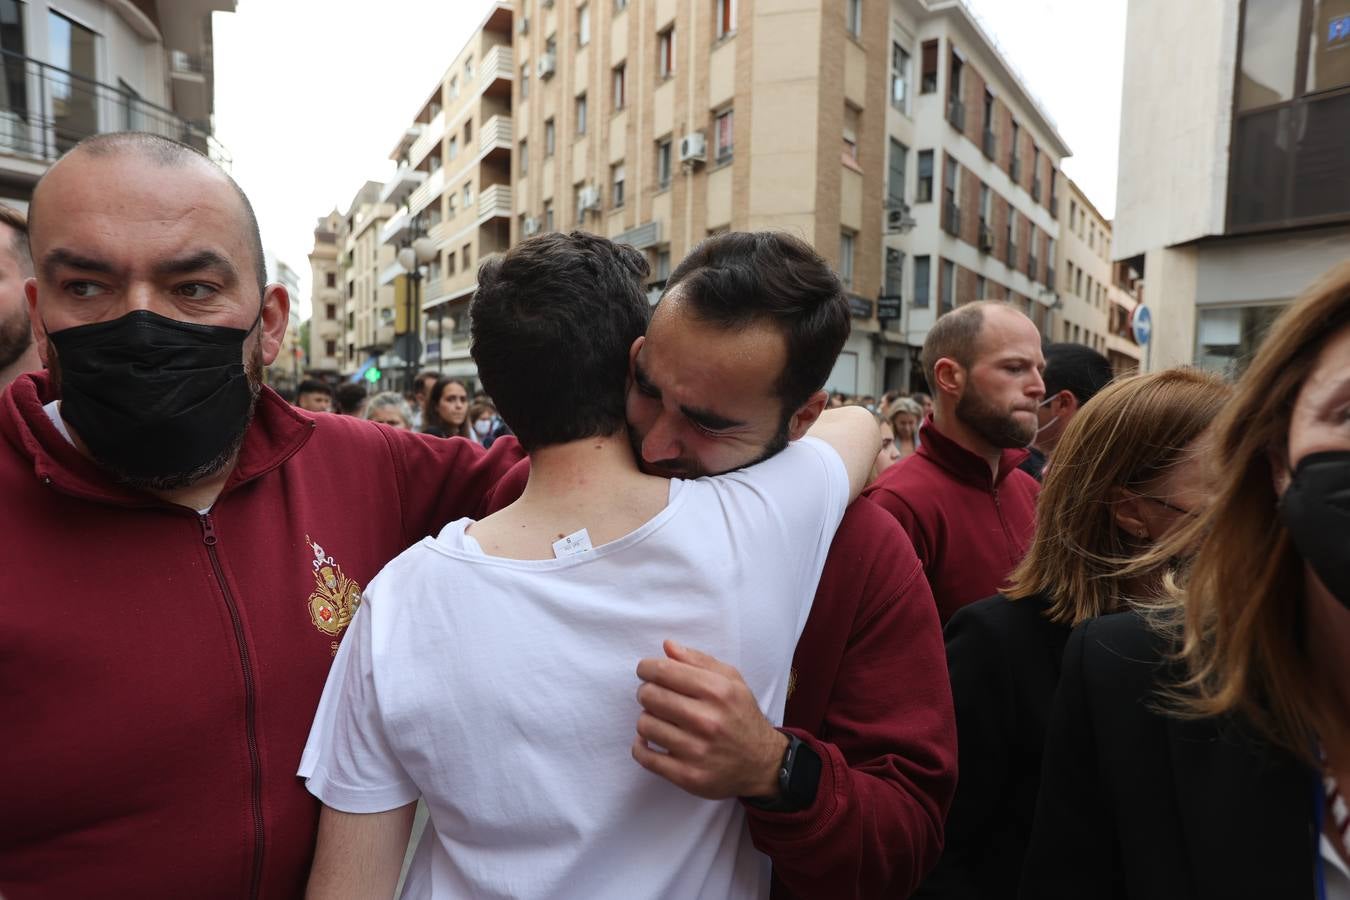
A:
(365, 262)
(1096, 295)
(327, 300)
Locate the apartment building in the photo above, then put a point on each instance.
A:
(972, 186)
(1096, 296)
(365, 263)
(453, 185)
(858, 126)
(327, 300)
(1234, 181)
(76, 68)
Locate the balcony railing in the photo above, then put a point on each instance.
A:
(495, 201)
(428, 139)
(951, 218)
(497, 63)
(496, 132)
(45, 111)
(405, 180)
(427, 191)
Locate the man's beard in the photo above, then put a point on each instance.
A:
(16, 336)
(690, 468)
(174, 481)
(999, 428)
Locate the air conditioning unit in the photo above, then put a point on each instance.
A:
(589, 198)
(898, 220)
(523, 26)
(694, 148)
(547, 64)
(531, 227)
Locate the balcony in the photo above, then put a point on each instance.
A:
(494, 202)
(47, 110)
(426, 192)
(951, 218)
(397, 189)
(396, 229)
(498, 65)
(495, 134)
(429, 139)
(405, 142)
(956, 114)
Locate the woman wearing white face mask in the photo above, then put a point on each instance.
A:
(486, 425)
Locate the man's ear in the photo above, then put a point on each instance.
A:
(276, 316)
(948, 376)
(805, 416)
(1064, 404)
(35, 320)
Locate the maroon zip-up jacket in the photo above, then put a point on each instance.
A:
(870, 694)
(969, 526)
(161, 668)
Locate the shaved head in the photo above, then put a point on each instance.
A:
(164, 153)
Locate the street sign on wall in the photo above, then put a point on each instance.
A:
(1141, 324)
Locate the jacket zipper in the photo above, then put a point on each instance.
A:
(1003, 523)
(250, 704)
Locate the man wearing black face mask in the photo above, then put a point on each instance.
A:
(183, 550)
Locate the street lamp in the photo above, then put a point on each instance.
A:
(411, 258)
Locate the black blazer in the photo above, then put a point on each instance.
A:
(1139, 804)
(1004, 658)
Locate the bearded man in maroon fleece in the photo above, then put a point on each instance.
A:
(183, 550)
(968, 509)
(866, 760)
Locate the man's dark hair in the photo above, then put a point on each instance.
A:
(348, 398)
(313, 386)
(742, 278)
(168, 153)
(552, 323)
(1076, 368)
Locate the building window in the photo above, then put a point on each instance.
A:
(1035, 173)
(661, 263)
(665, 52)
(616, 185)
(851, 126)
(581, 114)
(548, 215)
(618, 84)
(722, 131)
(330, 309)
(899, 78)
(330, 348)
(981, 287)
(1270, 47)
(450, 201)
(946, 286)
(1050, 263)
(331, 281)
(1015, 161)
(951, 191)
(923, 279)
(468, 132)
(663, 168)
(453, 149)
(524, 81)
(956, 110)
(855, 17)
(1011, 239)
(454, 86)
(583, 24)
(925, 192)
(468, 194)
(725, 13)
(988, 142)
(523, 154)
(895, 174)
(620, 5)
(468, 69)
(929, 73)
(550, 137)
(846, 258)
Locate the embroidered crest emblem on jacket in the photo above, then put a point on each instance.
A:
(335, 596)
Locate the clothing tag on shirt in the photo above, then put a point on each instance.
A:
(574, 543)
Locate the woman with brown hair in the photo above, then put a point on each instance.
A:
(1128, 470)
(1203, 750)
(447, 411)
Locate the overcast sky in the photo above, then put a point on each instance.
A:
(311, 95)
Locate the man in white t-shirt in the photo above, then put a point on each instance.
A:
(491, 669)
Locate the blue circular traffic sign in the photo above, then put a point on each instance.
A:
(1141, 323)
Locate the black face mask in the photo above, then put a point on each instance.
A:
(1316, 510)
(158, 402)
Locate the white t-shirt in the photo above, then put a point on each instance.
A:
(504, 691)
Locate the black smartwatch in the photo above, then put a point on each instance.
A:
(798, 778)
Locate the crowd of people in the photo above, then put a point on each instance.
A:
(690, 627)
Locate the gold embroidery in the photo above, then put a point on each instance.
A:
(792, 680)
(335, 596)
